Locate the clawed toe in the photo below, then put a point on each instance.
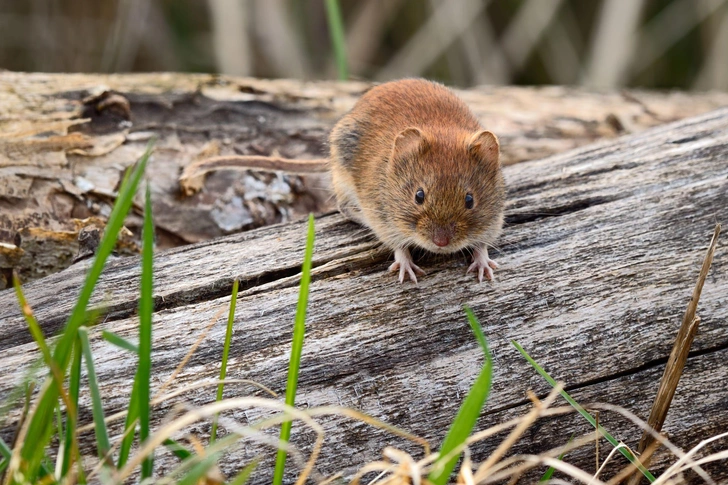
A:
(482, 270)
(403, 262)
(483, 264)
(407, 269)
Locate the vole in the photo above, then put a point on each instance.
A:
(412, 163)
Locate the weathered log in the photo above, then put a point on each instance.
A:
(600, 253)
(67, 138)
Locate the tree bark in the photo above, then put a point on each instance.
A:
(598, 260)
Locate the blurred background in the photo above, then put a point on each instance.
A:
(598, 43)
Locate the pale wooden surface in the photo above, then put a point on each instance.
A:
(56, 168)
(598, 260)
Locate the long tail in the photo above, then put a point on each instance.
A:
(253, 162)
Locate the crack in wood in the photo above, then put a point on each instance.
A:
(513, 218)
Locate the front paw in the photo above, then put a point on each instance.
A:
(483, 264)
(403, 262)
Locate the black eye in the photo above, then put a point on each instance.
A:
(469, 201)
(419, 197)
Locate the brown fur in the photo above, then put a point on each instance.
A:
(410, 134)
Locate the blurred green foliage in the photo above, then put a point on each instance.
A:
(600, 43)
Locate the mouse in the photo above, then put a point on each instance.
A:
(411, 162)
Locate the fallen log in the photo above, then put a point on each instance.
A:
(68, 138)
(599, 256)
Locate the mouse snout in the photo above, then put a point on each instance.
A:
(442, 235)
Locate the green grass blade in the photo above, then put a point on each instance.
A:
(338, 40)
(299, 329)
(5, 451)
(56, 376)
(59, 425)
(132, 416)
(33, 326)
(469, 411)
(244, 475)
(39, 429)
(70, 443)
(58, 431)
(115, 223)
(199, 470)
(146, 309)
(547, 476)
(102, 435)
(81, 477)
(627, 454)
(37, 334)
(225, 353)
(176, 448)
(120, 342)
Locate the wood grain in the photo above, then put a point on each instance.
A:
(601, 250)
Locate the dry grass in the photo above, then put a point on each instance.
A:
(399, 467)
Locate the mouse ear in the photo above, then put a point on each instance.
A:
(409, 142)
(483, 145)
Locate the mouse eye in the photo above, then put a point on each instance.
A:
(420, 197)
(469, 201)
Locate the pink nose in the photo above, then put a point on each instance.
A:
(441, 238)
(441, 241)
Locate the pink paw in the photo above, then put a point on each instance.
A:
(403, 262)
(483, 264)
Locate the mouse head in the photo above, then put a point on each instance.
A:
(446, 189)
